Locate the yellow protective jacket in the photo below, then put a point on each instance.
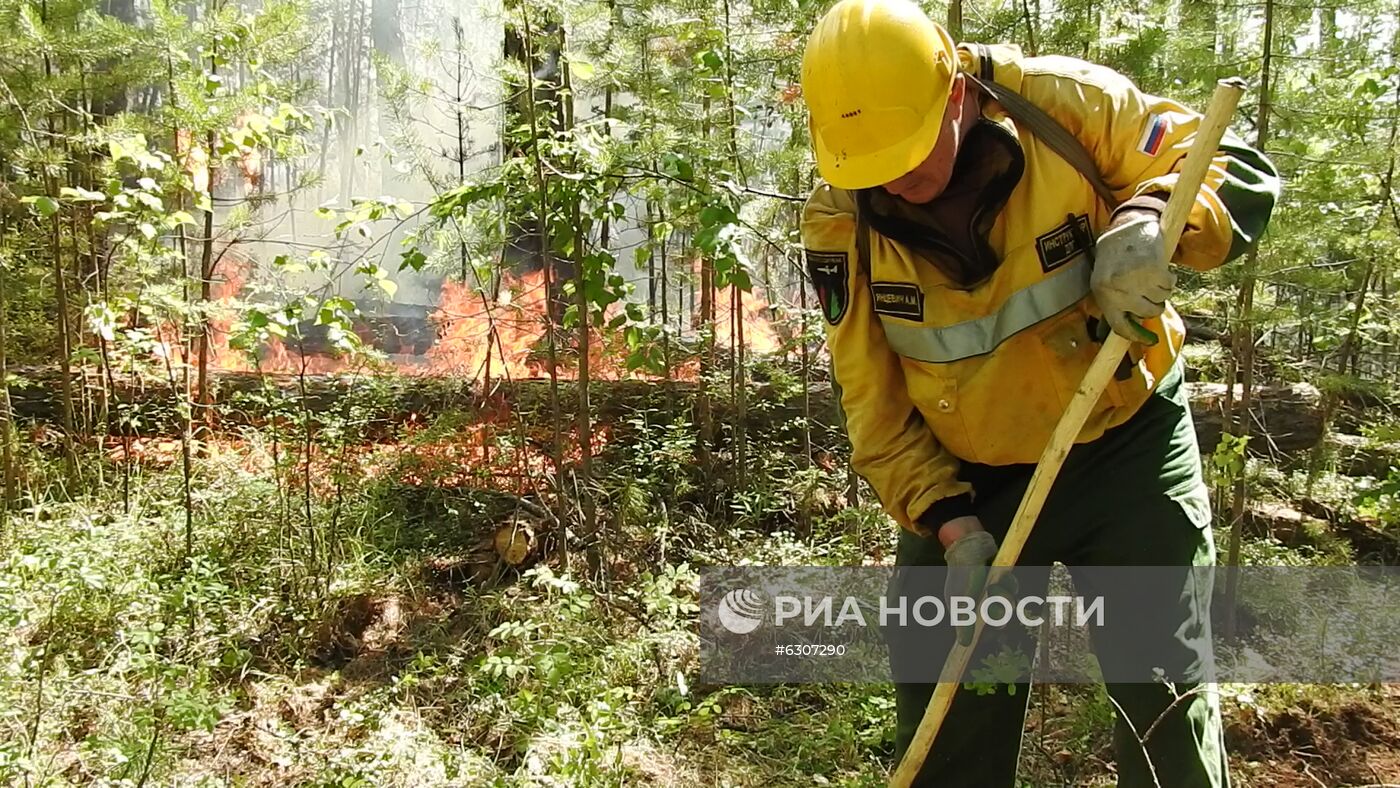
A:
(933, 368)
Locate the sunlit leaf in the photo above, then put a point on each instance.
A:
(581, 70)
(42, 205)
(79, 194)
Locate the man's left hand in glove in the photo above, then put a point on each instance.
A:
(1132, 277)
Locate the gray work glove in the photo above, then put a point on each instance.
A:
(1132, 278)
(968, 559)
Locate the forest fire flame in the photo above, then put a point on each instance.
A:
(478, 336)
(474, 330)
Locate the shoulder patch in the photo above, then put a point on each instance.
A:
(1064, 243)
(831, 279)
(898, 299)
(1152, 135)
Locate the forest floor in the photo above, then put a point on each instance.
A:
(1282, 736)
(366, 624)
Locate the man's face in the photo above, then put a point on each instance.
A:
(928, 180)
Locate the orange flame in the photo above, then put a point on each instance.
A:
(757, 330)
(473, 329)
(505, 336)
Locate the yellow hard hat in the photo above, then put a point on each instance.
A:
(876, 76)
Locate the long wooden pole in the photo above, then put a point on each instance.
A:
(1193, 172)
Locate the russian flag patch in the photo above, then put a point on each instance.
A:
(1152, 135)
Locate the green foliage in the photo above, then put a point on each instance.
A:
(1381, 500)
(999, 672)
(1227, 462)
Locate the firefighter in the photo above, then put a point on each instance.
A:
(967, 270)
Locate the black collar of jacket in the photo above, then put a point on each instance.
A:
(966, 267)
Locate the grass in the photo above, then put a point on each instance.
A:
(367, 647)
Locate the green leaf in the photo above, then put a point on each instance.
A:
(80, 194)
(581, 70)
(132, 147)
(178, 218)
(413, 259)
(710, 60)
(678, 168)
(339, 304)
(42, 205)
(102, 320)
(716, 214)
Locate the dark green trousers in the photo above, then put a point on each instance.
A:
(1134, 497)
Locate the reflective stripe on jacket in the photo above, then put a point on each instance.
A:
(933, 371)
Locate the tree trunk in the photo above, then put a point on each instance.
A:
(542, 183)
(584, 417)
(1332, 397)
(7, 432)
(1198, 25)
(665, 298)
(330, 85)
(741, 448)
(461, 150)
(65, 349)
(206, 277)
(738, 375)
(388, 41)
(1244, 335)
(350, 131)
(707, 328)
(1031, 22)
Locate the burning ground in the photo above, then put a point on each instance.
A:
(469, 333)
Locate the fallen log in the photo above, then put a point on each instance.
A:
(1286, 421)
(1369, 539)
(1355, 455)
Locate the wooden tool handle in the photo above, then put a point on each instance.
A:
(1183, 196)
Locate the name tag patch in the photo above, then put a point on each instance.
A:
(899, 299)
(1064, 243)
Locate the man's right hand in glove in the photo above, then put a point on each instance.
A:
(969, 551)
